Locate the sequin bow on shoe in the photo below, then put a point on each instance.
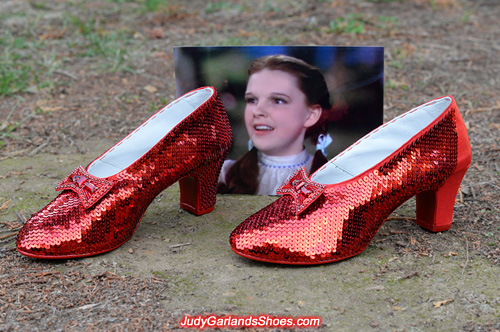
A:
(336, 212)
(101, 205)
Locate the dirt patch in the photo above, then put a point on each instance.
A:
(77, 76)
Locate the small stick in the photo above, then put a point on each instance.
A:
(179, 245)
(21, 217)
(7, 235)
(65, 73)
(35, 151)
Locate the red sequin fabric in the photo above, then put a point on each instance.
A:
(315, 223)
(94, 215)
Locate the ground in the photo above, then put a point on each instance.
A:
(76, 76)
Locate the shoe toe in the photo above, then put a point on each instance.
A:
(273, 235)
(56, 231)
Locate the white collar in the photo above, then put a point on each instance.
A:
(291, 161)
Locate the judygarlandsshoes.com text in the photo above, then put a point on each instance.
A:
(214, 321)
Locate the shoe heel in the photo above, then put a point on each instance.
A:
(199, 187)
(435, 208)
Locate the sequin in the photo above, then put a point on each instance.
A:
(336, 221)
(93, 215)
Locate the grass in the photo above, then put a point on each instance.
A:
(7, 128)
(356, 24)
(393, 85)
(28, 60)
(26, 63)
(146, 5)
(94, 40)
(352, 24)
(387, 22)
(16, 64)
(154, 106)
(213, 7)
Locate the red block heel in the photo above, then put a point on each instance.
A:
(198, 189)
(336, 212)
(100, 206)
(435, 208)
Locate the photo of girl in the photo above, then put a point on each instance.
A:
(289, 106)
(286, 102)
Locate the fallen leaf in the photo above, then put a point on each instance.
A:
(161, 55)
(441, 303)
(53, 34)
(156, 33)
(42, 105)
(244, 33)
(150, 89)
(5, 205)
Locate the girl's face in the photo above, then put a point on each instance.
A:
(276, 113)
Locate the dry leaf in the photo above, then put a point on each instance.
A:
(161, 55)
(42, 105)
(244, 33)
(440, 303)
(156, 33)
(53, 34)
(5, 205)
(150, 89)
(495, 125)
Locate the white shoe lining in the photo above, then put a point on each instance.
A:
(141, 140)
(380, 143)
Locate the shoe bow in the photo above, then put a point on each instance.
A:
(302, 189)
(89, 188)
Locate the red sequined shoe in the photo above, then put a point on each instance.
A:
(101, 205)
(336, 212)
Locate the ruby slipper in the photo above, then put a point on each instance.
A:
(101, 205)
(336, 212)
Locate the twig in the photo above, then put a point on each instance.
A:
(40, 281)
(65, 73)
(175, 246)
(466, 255)
(87, 306)
(21, 217)
(5, 123)
(64, 137)
(36, 150)
(161, 291)
(7, 235)
(488, 183)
